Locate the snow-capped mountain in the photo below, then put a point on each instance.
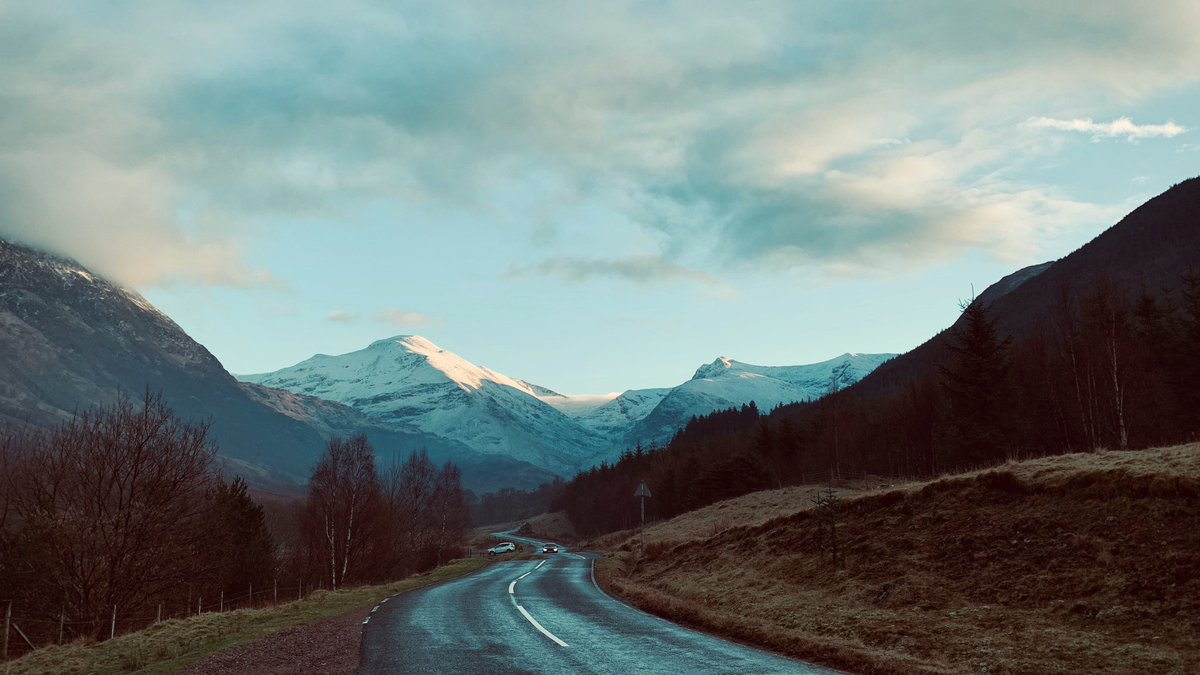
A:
(610, 415)
(408, 383)
(654, 415)
(70, 340)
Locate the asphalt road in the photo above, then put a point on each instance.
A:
(542, 616)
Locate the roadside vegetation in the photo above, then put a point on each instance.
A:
(1068, 564)
(119, 519)
(177, 643)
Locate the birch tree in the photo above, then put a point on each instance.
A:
(344, 504)
(449, 507)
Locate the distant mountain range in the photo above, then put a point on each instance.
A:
(408, 383)
(69, 339)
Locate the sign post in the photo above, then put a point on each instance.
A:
(641, 494)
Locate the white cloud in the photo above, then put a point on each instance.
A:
(152, 140)
(339, 316)
(1120, 127)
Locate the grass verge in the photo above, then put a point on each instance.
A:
(1070, 564)
(177, 643)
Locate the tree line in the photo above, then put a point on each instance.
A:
(508, 505)
(1106, 369)
(124, 506)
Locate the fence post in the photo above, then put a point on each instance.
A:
(251, 596)
(112, 630)
(158, 617)
(199, 604)
(62, 618)
(221, 606)
(300, 590)
(275, 593)
(7, 623)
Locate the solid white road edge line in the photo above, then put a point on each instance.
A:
(512, 587)
(538, 626)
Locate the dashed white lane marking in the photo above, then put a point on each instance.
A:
(538, 626)
(512, 589)
(375, 609)
(577, 556)
(366, 620)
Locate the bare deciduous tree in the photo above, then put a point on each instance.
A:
(449, 511)
(344, 504)
(109, 507)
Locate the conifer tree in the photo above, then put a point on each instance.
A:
(975, 381)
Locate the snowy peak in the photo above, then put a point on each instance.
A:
(715, 369)
(408, 383)
(848, 368)
(458, 370)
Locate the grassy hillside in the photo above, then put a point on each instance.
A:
(1075, 563)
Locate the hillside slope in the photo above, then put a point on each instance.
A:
(70, 339)
(1148, 249)
(1077, 563)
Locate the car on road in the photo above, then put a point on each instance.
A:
(502, 547)
(550, 548)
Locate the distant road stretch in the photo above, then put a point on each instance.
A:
(542, 616)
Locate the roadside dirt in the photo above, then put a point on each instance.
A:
(331, 646)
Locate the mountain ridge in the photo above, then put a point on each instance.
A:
(407, 382)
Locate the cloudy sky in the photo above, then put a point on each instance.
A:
(590, 196)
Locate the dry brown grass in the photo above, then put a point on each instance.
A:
(753, 509)
(1070, 564)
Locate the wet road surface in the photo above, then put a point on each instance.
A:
(542, 616)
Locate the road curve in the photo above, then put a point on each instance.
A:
(542, 616)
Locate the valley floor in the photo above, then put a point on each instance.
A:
(1069, 564)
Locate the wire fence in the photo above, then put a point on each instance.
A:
(25, 631)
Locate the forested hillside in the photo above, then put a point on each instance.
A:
(1098, 350)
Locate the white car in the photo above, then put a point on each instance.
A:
(502, 547)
